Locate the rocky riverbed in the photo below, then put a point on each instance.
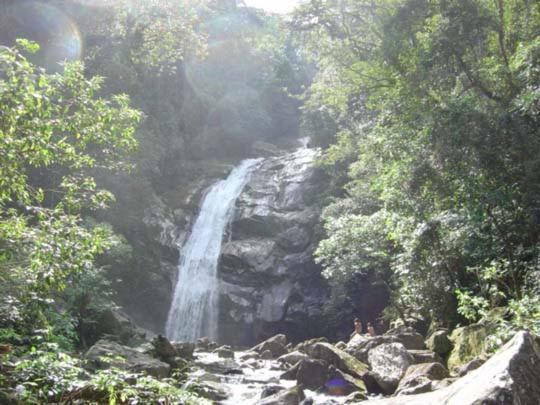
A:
(399, 367)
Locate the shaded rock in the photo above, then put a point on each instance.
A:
(407, 336)
(511, 376)
(341, 345)
(418, 378)
(389, 362)
(219, 365)
(340, 383)
(355, 397)
(275, 345)
(184, 349)
(292, 396)
(117, 325)
(291, 373)
(425, 356)
(312, 374)
(440, 343)
(303, 346)
(224, 352)
(469, 343)
(205, 344)
(292, 358)
(338, 358)
(163, 349)
(470, 366)
(105, 354)
(267, 355)
(249, 355)
(270, 390)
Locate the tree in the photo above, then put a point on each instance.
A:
(55, 132)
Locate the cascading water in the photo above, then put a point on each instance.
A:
(194, 309)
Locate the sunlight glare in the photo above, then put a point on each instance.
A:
(274, 6)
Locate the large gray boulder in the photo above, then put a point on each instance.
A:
(360, 345)
(389, 362)
(407, 336)
(512, 376)
(276, 345)
(105, 354)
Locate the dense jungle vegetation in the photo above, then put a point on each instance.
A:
(428, 112)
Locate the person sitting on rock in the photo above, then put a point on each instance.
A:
(370, 329)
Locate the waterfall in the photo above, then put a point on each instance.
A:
(194, 308)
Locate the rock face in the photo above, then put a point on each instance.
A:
(512, 376)
(268, 280)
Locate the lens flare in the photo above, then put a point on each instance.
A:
(337, 387)
(57, 35)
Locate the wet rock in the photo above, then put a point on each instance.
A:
(407, 336)
(205, 344)
(338, 358)
(440, 343)
(211, 390)
(275, 345)
(105, 354)
(270, 390)
(470, 366)
(511, 376)
(292, 396)
(425, 356)
(340, 383)
(291, 373)
(389, 362)
(249, 355)
(224, 352)
(219, 365)
(292, 358)
(312, 374)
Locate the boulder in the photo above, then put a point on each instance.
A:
(224, 352)
(184, 349)
(469, 343)
(418, 378)
(292, 358)
(105, 354)
(389, 362)
(292, 396)
(302, 347)
(338, 358)
(291, 373)
(163, 349)
(407, 336)
(425, 356)
(340, 383)
(511, 376)
(270, 390)
(360, 345)
(118, 326)
(312, 374)
(249, 355)
(267, 355)
(205, 344)
(439, 342)
(276, 346)
(211, 390)
(470, 366)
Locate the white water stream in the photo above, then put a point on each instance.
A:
(194, 309)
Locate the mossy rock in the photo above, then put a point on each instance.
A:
(469, 343)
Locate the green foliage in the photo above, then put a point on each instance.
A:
(47, 375)
(431, 108)
(54, 133)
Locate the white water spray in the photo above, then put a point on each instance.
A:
(194, 309)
